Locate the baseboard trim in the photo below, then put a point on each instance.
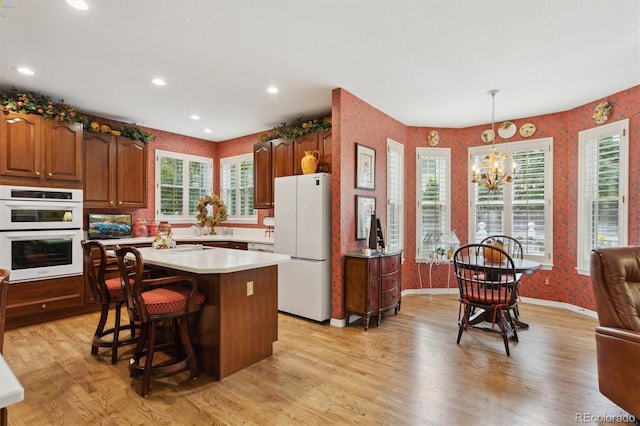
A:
(562, 305)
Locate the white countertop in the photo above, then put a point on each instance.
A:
(210, 260)
(186, 235)
(11, 391)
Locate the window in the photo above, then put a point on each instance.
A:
(523, 208)
(603, 175)
(236, 188)
(181, 180)
(395, 195)
(433, 207)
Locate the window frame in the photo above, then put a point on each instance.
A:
(546, 144)
(583, 232)
(445, 154)
(238, 160)
(399, 202)
(188, 217)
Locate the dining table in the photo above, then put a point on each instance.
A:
(493, 269)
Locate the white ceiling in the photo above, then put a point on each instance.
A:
(423, 62)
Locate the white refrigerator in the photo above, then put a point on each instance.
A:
(302, 230)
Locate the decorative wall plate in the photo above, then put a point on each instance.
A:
(507, 129)
(433, 138)
(527, 130)
(488, 136)
(601, 112)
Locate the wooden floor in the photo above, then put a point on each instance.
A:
(408, 371)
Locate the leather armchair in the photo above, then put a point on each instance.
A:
(615, 276)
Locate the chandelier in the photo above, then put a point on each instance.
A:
(491, 173)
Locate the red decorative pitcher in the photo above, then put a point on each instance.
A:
(140, 228)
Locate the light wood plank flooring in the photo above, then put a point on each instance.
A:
(408, 371)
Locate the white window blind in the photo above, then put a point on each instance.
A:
(603, 189)
(181, 180)
(236, 188)
(522, 208)
(433, 185)
(395, 196)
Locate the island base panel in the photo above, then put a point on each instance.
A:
(236, 330)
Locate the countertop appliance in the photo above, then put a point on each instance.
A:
(40, 232)
(303, 231)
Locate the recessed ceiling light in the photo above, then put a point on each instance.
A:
(272, 89)
(78, 4)
(25, 70)
(207, 130)
(195, 117)
(158, 81)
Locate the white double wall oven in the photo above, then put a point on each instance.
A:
(40, 232)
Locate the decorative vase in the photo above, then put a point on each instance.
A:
(494, 255)
(164, 240)
(140, 228)
(164, 227)
(153, 228)
(206, 230)
(310, 161)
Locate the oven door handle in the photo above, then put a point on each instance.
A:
(41, 205)
(33, 235)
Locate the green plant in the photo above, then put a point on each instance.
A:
(296, 129)
(134, 132)
(34, 103)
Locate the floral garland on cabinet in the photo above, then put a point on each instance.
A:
(39, 104)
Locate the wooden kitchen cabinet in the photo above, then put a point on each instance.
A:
(35, 151)
(262, 179)
(45, 300)
(318, 141)
(115, 171)
(282, 157)
(372, 285)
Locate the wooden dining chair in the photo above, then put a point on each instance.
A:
(151, 301)
(108, 292)
(513, 247)
(487, 289)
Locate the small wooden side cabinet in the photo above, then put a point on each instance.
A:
(372, 285)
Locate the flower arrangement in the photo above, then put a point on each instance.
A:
(297, 128)
(203, 215)
(34, 103)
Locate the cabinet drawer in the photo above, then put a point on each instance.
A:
(388, 298)
(32, 298)
(389, 282)
(389, 264)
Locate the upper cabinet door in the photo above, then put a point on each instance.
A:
(131, 177)
(282, 157)
(20, 144)
(99, 169)
(324, 146)
(262, 176)
(63, 150)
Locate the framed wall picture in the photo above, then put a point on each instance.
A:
(365, 167)
(365, 207)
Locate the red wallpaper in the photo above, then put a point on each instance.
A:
(355, 121)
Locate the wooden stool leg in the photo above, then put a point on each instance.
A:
(186, 343)
(98, 334)
(148, 365)
(116, 335)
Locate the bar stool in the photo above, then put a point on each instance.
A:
(108, 292)
(151, 301)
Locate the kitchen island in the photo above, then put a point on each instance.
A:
(239, 320)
